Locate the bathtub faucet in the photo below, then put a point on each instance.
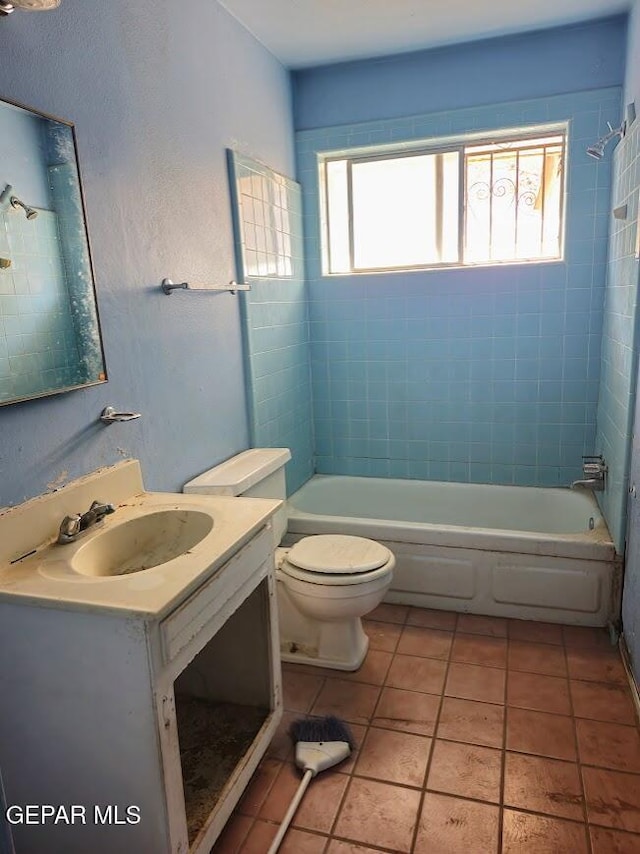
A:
(594, 470)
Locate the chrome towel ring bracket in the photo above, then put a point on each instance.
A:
(110, 416)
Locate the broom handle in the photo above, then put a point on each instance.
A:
(286, 821)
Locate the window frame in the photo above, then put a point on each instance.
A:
(447, 145)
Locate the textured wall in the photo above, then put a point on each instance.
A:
(156, 97)
(509, 68)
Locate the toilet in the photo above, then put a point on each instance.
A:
(325, 583)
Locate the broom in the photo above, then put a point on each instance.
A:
(320, 744)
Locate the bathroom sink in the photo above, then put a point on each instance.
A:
(140, 543)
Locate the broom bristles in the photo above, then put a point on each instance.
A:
(321, 729)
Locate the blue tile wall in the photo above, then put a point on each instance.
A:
(38, 347)
(619, 336)
(483, 375)
(269, 249)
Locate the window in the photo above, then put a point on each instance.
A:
(479, 202)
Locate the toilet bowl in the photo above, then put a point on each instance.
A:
(325, 583)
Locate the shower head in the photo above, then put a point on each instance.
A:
(30, 213)
(597, 150)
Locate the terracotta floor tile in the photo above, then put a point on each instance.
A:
(541, 733)
(539, 692)
(337, 846)
(276, 803)
(259, 787)
(387, 613)
(321, 801)
(260, 838)
(432, 619)
(233, 836)
(429, 643)
(609, 745)
(596, 665)
(383, 636)
(417, 674)
(379, 814)
(373, 669)
(543, 785)
(394, 757)
(358, 733)
(352, 701)
(600, 702)
(449, 825)
(299, 690)
(472, 682)
(613, 841)
(477, 625)
(529, 630)
(479, 649)
(407, 711)
(471, 722)
(613, 798)
(299, 842)
(537, 658)
(281, 745)
(539, 834)
(465, 770)
(588, 636)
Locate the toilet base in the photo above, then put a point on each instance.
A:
(337, 644)
(342, 646)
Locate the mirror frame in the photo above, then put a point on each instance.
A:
(100, 343)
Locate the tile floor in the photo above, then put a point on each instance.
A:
(475, 734)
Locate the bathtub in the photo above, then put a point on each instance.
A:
(523, 552)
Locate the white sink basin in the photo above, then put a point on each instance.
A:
(139, 543)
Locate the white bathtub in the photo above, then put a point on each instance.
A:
(539, 554)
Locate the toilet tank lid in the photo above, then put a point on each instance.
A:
(238, 474)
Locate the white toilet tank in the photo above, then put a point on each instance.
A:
(256, 473)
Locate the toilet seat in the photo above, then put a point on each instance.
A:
(337, 559)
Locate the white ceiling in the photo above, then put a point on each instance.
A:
(303, 33)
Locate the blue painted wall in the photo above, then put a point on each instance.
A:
(486, 374)
(510, 68)
(156, 98)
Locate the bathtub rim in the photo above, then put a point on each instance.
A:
(588, 545)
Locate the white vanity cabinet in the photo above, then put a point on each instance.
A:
(141, 730)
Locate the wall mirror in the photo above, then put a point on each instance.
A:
(49, 330)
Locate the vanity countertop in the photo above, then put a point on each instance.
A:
(43, 578)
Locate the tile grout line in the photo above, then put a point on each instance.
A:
(503, 758)
(367, 727)
(577, 749)
(433, 743)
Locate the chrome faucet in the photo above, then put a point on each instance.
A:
(72, 526)
(594, 470)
